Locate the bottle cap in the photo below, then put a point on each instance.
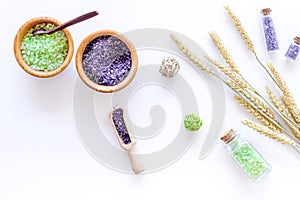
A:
(297, 40)
(266, 11)
(228, 136)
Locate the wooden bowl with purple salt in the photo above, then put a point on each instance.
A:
(106, 61)
(43, 55)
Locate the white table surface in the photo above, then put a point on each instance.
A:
(41, 156)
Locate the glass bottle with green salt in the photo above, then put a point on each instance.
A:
(246, 156)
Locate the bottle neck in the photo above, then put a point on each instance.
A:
(233, 144)
(231, 139)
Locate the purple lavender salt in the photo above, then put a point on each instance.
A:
(107, 60)
(292, 51)
(270, 34)
(269, 31)
(118, 120)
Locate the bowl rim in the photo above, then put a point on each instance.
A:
(87, 80)
(18, 42)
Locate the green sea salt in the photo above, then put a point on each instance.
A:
(249, 159)
(45, 52)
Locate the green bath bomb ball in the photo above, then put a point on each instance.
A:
(192, 122)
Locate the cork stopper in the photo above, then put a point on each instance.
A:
(266, 11)
(228, 136)
(297, 40)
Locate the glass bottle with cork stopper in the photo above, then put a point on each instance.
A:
(293, 49)
(246, 156)
(269, 30)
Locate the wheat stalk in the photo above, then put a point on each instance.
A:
(284, 112)
(287, 96)
(292, 107)
(228, 72)
(281, 83)
(241, 30)
(269, 133)
(278, 104)
(252, 99)
(223, 51)
(191, 56)
(228, 58)
(257, 115)
(266, 112)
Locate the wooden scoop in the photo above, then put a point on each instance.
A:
(126, 140)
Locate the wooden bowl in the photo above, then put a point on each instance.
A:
(18, 41)
(87, 80)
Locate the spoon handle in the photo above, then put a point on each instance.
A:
(74, 21)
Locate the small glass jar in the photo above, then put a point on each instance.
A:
(269, 30)
(293, 49)
(246, 156)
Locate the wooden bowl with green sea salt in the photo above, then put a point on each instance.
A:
(106, 61)
(43, 55)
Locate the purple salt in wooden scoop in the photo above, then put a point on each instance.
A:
(126, 140)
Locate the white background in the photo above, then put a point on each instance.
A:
(41, 156)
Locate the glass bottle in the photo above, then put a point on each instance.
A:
(269, 30)
(246, 156)
(293, 49)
